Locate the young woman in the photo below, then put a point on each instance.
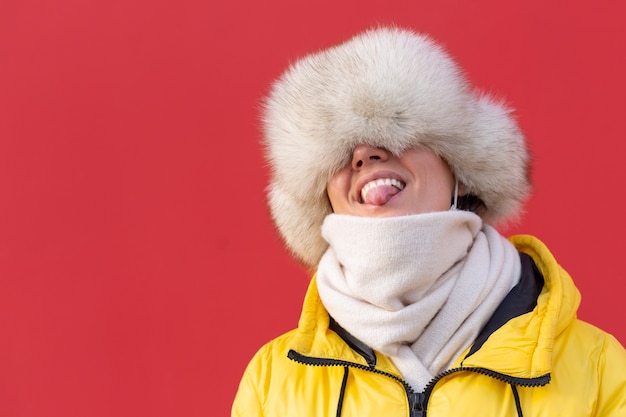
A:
(387, 171)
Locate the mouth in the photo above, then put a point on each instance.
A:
(380, 190)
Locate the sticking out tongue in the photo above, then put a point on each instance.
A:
(380, 195)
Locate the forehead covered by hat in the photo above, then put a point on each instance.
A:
(389, 88)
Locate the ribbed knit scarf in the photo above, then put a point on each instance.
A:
(417, 288)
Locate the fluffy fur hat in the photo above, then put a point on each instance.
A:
(394, 89)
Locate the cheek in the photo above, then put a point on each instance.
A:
(337, 189)
(334, 191)
(439, 190)
(446, 190)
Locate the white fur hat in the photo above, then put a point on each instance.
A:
(394, 89)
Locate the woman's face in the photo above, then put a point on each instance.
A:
(380, 184)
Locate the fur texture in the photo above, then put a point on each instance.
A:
(394, 89)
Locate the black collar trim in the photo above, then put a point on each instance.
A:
(356, 345)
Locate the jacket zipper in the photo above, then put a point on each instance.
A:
(521, 382)
(417, 404)
(513, 381)
(418, 400)
(415, 400)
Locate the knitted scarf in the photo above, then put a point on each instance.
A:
(416, 288)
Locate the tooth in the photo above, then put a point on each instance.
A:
(364, 192)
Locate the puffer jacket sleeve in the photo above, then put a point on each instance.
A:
(249, 398)
(612, 373)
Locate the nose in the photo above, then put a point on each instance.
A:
(365, 154)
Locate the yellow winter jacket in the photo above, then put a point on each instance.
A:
(544, 362)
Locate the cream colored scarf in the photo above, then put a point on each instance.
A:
(417, 288)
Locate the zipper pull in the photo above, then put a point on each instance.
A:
(417, 405)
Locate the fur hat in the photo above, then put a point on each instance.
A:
(389, 88)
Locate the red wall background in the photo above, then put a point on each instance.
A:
(139, 270)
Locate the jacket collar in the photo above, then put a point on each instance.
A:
(528, 339)
(315, 338)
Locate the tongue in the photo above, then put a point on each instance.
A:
(381, 194)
